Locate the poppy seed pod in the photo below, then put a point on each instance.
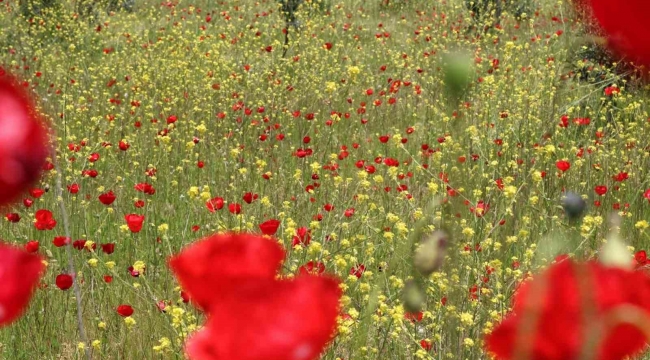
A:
(574, 205)
(430, 252)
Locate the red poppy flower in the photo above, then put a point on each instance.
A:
(23, 141)
(13, 217)
(134, 222)
(414, 317)
(626, 27)
(480, 209)
(312, 267)
(563, 165)
(601, 190)
(426, 345)
(646, 195)
(391, 162)
(92, 173)
(223, 261)
(44, 220)
(559, 312)
(289, 320)
(108, 248)
(249, 197)
(302, 237)
(145, 188)
(234, 208)
(107, 198)
(125, 310)
(270, 227)
(61, 241)
(32, 246)
(133, 272)
(161, 305)
(73, 189)
(64, 281)
(621, 176)
(20, 272)
(81, 244)
(123, 145)
(214, 204)
(641, 258)
(36, 193)
(358, 270)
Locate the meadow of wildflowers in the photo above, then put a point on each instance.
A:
(187, 136)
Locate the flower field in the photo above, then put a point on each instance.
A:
(348, 132)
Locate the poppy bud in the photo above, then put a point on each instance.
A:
(430, 252)
(573, 205)
(457, 69)
(413, 297)
(615, 253)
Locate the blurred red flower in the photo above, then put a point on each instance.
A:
(270, 320)
(23, 141)
(223, 261)
(20, 272)
(626, 27)
(558, 311)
